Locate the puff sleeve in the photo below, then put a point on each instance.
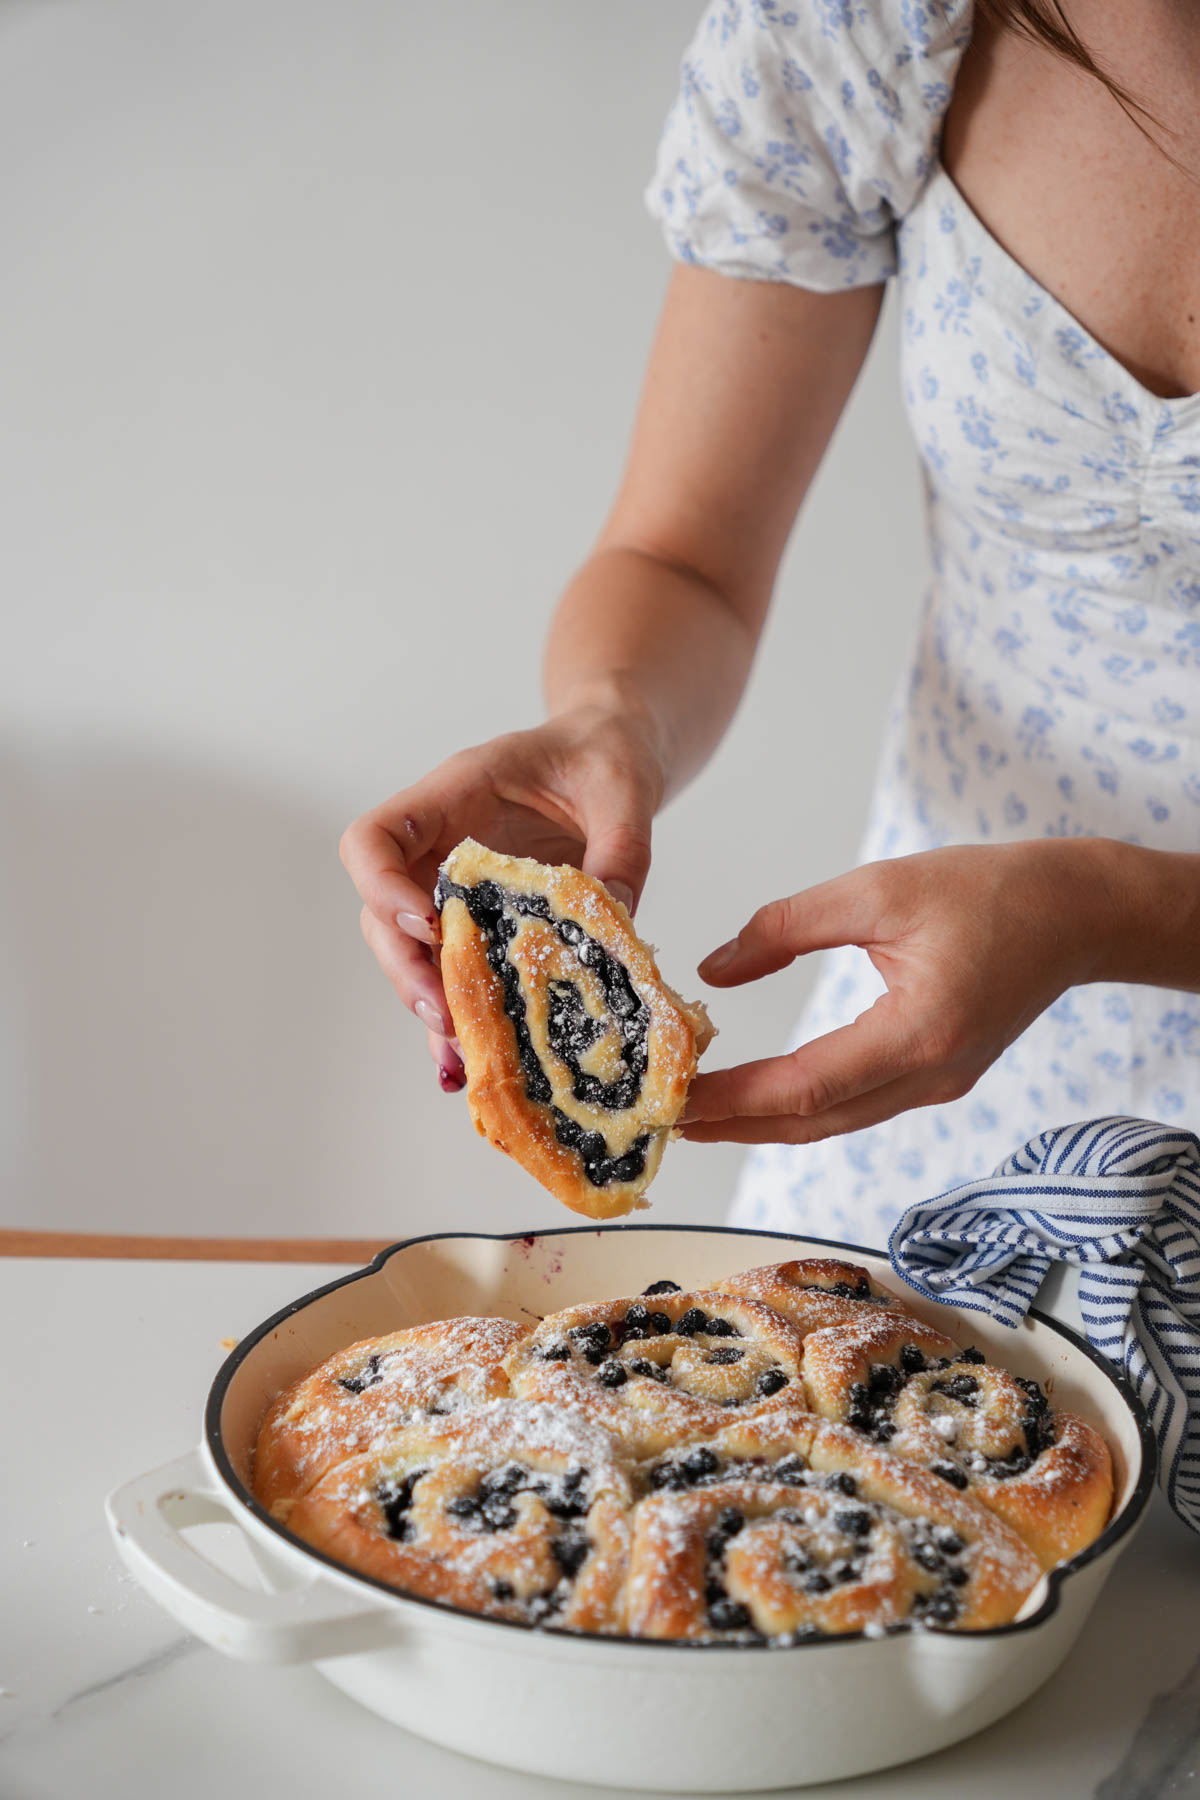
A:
(802, 134)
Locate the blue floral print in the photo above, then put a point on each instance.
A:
(1055, 686)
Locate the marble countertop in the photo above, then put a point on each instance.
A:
(101, 1694)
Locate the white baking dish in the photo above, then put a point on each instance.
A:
(681, 1718)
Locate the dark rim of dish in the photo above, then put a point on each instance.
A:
(1112, 1534)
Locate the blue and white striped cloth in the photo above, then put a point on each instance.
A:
(1119, 1197)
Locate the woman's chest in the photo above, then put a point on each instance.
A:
(1104, 215)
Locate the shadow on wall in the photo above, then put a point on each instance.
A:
(190, 1023)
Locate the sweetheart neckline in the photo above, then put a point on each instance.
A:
(1174, 404)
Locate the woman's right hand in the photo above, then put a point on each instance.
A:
(581, 789)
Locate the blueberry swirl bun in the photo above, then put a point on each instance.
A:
(995, 1436)
(662, 1367)
(851, 1370)
(376, 1386)
(578, 1056)
(814, 1292)
(511, 1510)
(817, 1534)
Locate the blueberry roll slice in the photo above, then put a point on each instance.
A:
(995, 1436)
(838, 1536)
(663, 1367)
(578, 1055)
(814, 1292)
(508, 1510)
(371, 1388)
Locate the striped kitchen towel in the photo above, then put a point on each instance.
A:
(1119, 1197)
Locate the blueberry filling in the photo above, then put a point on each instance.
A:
(641, 1367)
(570, 1552)
(770, 1381)
(844, 1291)
(791, 1470)
(504, 1590)
(395, 1499)
(596, 1332)
(720, 1328)
(490, 1507)
(659, 1323)
(816, 1583)
(556, 1353)
(370, 1375)
(693, 1320)
(941, 1607)
(947, 1541)
(949, 1473)
(912, 1360)
(725, 1356)
(612, 1375)
(842, 1483)
(662, 1287)
(971, 1355)
(855, 1521)
(963, 1388)
(637, 1314)
(571, 1031)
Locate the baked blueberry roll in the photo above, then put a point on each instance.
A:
(662, 1367)
(507, 1509)
(978, 1428)
(813, 1292)
(371, 1388)
(801, 1529)
(578, 1055)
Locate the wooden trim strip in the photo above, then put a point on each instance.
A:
(188, 1249)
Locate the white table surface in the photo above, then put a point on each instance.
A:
(106, 1370)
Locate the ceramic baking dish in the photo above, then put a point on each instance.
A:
(676, 1717)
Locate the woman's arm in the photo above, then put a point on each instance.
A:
(973, 943)
(653, 640)
(746, 382)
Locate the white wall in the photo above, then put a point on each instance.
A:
(320, 331)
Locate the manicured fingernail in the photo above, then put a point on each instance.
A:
(720, 959)
(422, 926)
(431, 1016)
(621, 891)
(452, 1076)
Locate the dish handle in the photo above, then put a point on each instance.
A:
(147, 1518)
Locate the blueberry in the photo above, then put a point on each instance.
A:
(858, 1394)
(506, 1480)
(912, 1360)
(729, 1355)
(956, 1575)
(816, 1583)
(464, 1506)
(883, 1431)
(395, 1502)
(556, 1353)
(792, 1470)
(971, 1355)
(947, 1541)
(855, 1521)
(729, 1521)
(884, 1378)
(842, 1484)
(692, 1321)
(594, 1333)
(796, 1562)
(860, 1417)
(1037, 1400)
(669, 1475)
(700, 1462)
(504, 1590)
(771, 1380)
(719, 1328)
(927, 1557)
(942, 1607)
(728, 1615)
(637, 1314)
(611, 1375)
(636, 1333)
(957, 1387)
(662, 1287)
(949, 1473)
(642, 1367)
(659, 1323)
(846, 1571)
(570, 1552)
(596, 1354)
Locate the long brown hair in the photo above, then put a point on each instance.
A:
(1045, 22)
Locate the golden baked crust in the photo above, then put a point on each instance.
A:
(578, 1055)
(372, 1387)
(814, 1292)
(801, 1528)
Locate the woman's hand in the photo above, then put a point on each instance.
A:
(973, 944)
(582, 789)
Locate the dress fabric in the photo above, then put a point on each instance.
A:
(1054, 689)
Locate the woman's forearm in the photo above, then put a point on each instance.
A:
(745, 385)
(1154, 936)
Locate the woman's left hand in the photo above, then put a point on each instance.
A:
(973, 944)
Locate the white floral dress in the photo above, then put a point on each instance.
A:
(1055, 684)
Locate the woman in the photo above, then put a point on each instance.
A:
(1030, 897)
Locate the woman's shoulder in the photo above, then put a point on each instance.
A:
(802, 132)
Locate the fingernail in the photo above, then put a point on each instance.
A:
(621, 891)
(418, 926)
(452, 1075)
(719, 959)
(431, 1016)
